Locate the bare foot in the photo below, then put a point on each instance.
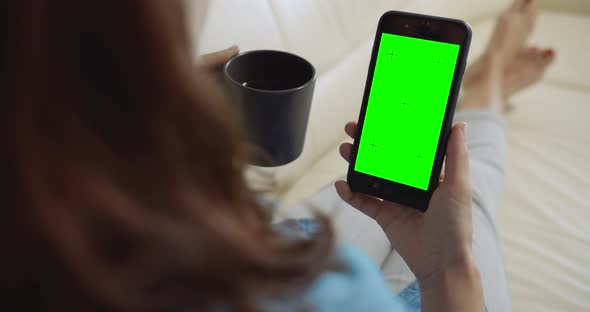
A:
(527, 68)
(513, 28)
(484, 80)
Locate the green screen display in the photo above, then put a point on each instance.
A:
(406, 107)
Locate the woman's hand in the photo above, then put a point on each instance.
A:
(430, 242)
(213, 63)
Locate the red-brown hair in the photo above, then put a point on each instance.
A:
(121, 169)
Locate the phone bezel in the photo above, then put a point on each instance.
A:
(424, 27)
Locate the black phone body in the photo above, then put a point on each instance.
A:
(412, 88)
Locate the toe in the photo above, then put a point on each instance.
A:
(548, 56)
(525, 4)
(537, 59)
(522, 4)
(530, 52)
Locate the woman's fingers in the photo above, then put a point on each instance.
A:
(457, 162)
(345, 150)
(385, 213)
(219, 58)
(350, 129)
(362, 202)
(213, 63)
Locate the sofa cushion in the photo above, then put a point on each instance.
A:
(250, 24)
(462, 9)
(326, 31)
(544, 214)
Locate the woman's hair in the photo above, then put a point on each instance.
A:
(121, 170)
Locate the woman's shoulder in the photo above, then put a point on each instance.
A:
(358, 286)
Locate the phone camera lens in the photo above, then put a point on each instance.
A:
(406, 25)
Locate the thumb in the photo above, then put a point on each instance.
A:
(457, 163)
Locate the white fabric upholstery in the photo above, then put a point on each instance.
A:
(546, 208)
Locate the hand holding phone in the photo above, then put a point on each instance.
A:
(427, 241)
(410, 96)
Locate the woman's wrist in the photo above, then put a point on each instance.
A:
(456, 287)
(462, 267)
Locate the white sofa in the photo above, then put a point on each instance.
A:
(546, 209)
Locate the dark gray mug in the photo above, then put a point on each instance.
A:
(274, 91)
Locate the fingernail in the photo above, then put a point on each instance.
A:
(234, 47)
(464, 129)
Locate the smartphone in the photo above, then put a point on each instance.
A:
(408, 106)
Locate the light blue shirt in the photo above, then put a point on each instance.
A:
(360, 288)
